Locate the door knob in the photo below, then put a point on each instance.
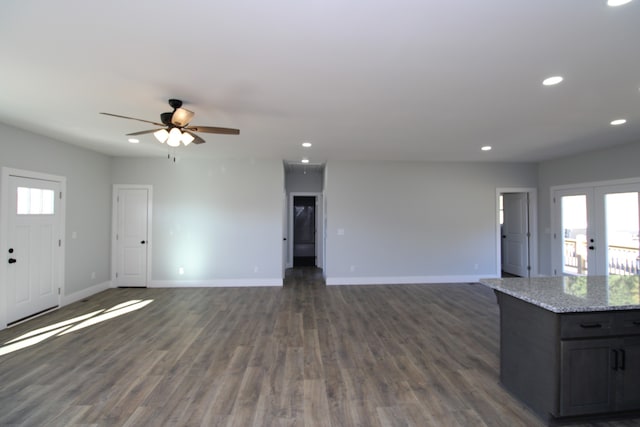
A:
(592, 248)
(12, 260)
(143, 242)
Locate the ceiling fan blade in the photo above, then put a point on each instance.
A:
(196, 138)
(212, 129)
(142, 132)
(132, 118)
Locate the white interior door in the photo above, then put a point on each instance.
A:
(34, 246)
(515, 234)
(132, 242)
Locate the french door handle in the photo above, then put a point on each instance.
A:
(12, 260)
(614, 360)
(622, 359)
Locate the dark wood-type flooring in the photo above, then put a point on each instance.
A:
(301, 355)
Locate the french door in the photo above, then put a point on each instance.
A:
(596, 230)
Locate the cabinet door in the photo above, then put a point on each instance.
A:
(628, 376)
(587, 376)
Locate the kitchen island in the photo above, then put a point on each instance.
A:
(570, 346)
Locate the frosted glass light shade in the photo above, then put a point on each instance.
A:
(174, 137)
(181, 117)
(161, 135)
(187, 138)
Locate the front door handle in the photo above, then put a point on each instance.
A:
(12, 260)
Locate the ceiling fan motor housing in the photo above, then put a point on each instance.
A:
(166, 118)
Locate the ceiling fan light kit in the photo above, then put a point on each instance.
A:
(175, 126)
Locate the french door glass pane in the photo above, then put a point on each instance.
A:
(622, 229)
(574, 234)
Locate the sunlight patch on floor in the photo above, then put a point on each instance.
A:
(72, 325)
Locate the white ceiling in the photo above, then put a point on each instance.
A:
(360, 79)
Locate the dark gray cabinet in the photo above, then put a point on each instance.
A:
(570, 364)
(599, 375)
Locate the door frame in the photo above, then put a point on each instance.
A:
(593, 186)
(533, 227)
(114, 227)
(4, 229)
(319, 227)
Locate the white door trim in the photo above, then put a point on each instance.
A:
(533, 227)
(319, 227)
(593, 187)
(4, 230)
(114, 228)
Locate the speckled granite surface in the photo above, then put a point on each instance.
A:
(570, 294)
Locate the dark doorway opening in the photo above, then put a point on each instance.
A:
(304, 231)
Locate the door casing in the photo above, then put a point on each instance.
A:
(114, 228)
(533, 227)
(595, 229)
(319, 228)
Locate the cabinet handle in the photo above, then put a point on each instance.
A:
(622, 359)
(590, 325)
(636, 322)
(614, 360)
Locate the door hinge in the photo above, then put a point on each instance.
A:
(117, 236)
(60, 195)
(58, 291)
(116, 275)
(59, 243)
(529, 267)
(554, 200)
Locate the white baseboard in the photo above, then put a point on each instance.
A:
(400, 280)
(215, 283)
(85, 293)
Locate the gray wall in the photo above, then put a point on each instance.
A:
(220, 220)
(415, 220)
(88, 200)
(602, 165)
(299, 181)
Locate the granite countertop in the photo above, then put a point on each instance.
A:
(569, 294)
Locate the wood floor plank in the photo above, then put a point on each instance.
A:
(297, 356)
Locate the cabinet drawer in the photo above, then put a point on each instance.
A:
(627, 322)
(586, 325)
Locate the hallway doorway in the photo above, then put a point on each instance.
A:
(304, 231)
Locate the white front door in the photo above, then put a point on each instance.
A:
(515, 234)
(34, 246)
(132, 240)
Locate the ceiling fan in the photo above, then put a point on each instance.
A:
(175, 128)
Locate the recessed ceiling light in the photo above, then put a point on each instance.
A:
(134, 140)
(305, 160)
(618, 122)
(486, 148)
(550, 81)
(306, 144)
(614, 3)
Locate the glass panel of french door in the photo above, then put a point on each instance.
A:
(619, 207)
(574, 234)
